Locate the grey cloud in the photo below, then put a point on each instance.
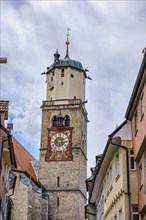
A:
(107, 38)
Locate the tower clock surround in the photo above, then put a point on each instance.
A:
(59, 144)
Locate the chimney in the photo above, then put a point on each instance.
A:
(3, 111)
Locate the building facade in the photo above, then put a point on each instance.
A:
(63, 152)
(136, 114)
(7, 163)
(22, 196)
(112, 191)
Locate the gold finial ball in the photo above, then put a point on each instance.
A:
(67, 42)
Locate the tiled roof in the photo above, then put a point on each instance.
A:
(23, 159)
(66, 63)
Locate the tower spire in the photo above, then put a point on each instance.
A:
(67, 42)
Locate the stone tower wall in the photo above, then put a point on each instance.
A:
(70, 206)
(71, 192)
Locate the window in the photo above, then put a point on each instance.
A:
(117, 165)
(110, 177)
(58, 181)
(142, 105)
(51, 88)
(120, 215)
(66, 121)
(107, 181)
(132, 161)
(102, 205)
(51, 78)
(53, 73)
(62, 70)
(62, 83)
(136, 122)
(72, 76)
(115, 217)
(140, 177)
(135, 213)
(57, 201)
(62, 74)
(54, 120)
(104, 188)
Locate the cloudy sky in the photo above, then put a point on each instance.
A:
(106, 36)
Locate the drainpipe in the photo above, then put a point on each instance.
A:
(127, 172)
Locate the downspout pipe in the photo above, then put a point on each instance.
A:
(127, 173)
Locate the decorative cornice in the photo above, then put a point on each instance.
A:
(68, 105)
(114, 201)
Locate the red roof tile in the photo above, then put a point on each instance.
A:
(23, 159)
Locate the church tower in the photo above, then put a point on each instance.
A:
(63, 152)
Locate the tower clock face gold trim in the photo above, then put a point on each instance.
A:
(59, 142)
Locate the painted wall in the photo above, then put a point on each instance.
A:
(139, 136)
(142, 187)
(139, 143)
(116, 201)
(71, 86)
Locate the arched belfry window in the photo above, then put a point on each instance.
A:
(66, 121)
(54, 120)
(58, 120)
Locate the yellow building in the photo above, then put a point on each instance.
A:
(113, 192)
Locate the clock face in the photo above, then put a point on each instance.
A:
(59, 142)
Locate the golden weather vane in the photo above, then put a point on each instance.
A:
(67, 41)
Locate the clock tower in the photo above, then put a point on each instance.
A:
(63, 152)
